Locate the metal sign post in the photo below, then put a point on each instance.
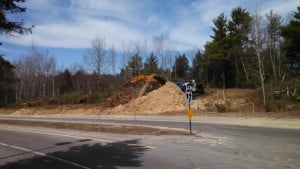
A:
(189, 99)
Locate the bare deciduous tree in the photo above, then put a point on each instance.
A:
(273, 41)
(258, 37)
(21, 73)
(33, 72)
(161, 47)
(130, 49)
(113, 59)
(95, 57)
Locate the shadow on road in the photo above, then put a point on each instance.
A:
(108, 156)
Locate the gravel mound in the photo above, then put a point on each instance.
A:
(168, 98)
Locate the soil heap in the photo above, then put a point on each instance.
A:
(168, 98)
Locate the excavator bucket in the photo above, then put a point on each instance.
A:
(159, 79)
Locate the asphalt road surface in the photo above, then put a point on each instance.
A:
(215, 146)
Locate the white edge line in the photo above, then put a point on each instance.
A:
(43, 154)
(72, 136)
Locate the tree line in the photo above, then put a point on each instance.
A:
(254, 50)
(246, 51)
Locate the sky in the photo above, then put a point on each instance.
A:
(65, 28)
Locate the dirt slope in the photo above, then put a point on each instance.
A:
(237, 100)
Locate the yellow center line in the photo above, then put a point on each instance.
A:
(73, 136)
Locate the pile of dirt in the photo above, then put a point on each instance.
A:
(125, 93)
(168, 98)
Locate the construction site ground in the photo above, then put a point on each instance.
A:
(167, 100)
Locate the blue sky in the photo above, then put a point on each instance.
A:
(66, 27)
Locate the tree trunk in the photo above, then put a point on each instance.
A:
(44, 90)
(5, 95)
(16, 88)
(245, 70)
(261, 75)
(21, 90)
(224, 97)
(273, 63)
(53, 87)
(279, 64)
(236, 64)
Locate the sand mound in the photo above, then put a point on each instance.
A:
(168, 98)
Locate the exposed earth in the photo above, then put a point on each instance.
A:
(166, 100)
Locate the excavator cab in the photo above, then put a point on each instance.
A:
(197, 88)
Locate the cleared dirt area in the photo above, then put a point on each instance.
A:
(166, 100)
(237, 100)
(105, 128)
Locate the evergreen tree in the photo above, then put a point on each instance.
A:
(66, 85)
(7, 78)
(180, 68)
(151, 65)
(291, 33)
(7, 26)
(135, 65)
(199, 66)
(238, 30)
(216, 52)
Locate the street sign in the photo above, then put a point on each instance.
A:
(189, 97)
(190, 114)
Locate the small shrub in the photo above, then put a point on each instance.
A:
(76, 98)
(221, 107)
(92, 98)
(268, 106)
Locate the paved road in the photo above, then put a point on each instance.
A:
(217, 146)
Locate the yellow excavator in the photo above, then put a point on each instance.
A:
(150, 78)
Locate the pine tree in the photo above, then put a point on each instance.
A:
(7, 78)
(66, 85)
(151, 65)
(180, 68)
(291, 33)
(135, 65)
(216, 52)
(199, 66)
(239, 28)
(7, 26)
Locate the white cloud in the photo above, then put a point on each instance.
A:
(282, 7)
(39, 4)
(114, 20)
(79, 34)
(209, 10)
(76, 22)
(122, 10)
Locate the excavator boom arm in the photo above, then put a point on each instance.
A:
(150, 78)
